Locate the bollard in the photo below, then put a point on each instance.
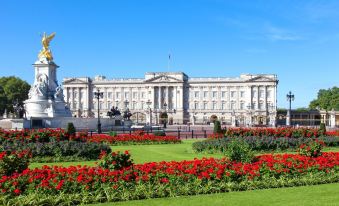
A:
(178, 133)
(205, 135)
(192, 134)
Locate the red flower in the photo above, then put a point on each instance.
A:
(17, 191)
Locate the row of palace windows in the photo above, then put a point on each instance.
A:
(223, 94)
(224, 105)
(126, 95)
(214, 94)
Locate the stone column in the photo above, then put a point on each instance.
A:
(228, 98)
(175, 96)
(72, 104)
(66, 95)
(258, 97)
(159, 98)
(79, 98)
(237, 98)
(167, 97)
(219, 99)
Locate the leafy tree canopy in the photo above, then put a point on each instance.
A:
(12, 89)
(327, 99)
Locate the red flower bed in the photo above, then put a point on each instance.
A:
(276, 132)
(135, 138)
(334, 133)
(40, 135)
(56, 180)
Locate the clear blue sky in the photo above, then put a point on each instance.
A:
(295, 39)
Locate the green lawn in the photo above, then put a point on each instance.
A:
(327, 194)
(155, 153)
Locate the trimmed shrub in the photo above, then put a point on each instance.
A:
(240, 151)
(260, 143)
(70, 130)
(115, 160)
(217, 127)
(311, 149)
(13, 162)
(60, 151)
(322, 128)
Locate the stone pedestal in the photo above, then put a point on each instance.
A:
(46, 96)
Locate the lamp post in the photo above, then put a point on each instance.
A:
(98, 95)
(290, 98)
(150, 111)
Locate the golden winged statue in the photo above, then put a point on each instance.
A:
(46, 52)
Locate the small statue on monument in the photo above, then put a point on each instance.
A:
(46, 52)
(58, 93)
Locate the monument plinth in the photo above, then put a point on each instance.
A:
(45, 98)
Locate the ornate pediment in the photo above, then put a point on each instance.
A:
(163, 79)
(75, 81)
(261, 79)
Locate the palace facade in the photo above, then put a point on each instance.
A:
(245, 100)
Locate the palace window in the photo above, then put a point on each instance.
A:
(223, 105)
(117, 95)
(205, 105)
(109, 105)
(196, 105)
(232, 105)
(232, 94)
(223, 94)
(242, 94)
(214, 94)
(109, 95)
(142, 94)
(196, 94)
(205, 94)
(135, 95)
(126, 95)
(214, 105)
(134, 105)
(75, 94)
(242, 105)
(101, 105)
(81, 105)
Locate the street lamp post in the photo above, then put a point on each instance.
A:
(98, 95)
(150, 111)
(290, 98)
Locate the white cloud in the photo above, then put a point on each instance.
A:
(279, 34)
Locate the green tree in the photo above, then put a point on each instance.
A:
(12, 89)
(217, 127)
(327, 99)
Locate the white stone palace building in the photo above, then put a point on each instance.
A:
(243, 101)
